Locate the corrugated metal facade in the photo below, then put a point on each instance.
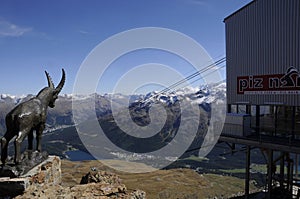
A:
(262, 39)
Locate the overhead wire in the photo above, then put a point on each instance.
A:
(195, 74)
(218, 68)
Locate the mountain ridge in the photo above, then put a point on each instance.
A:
(61, 135)
(61, 114)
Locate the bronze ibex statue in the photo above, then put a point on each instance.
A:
(30, 116)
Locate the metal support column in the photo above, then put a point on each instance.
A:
(247, 177)
(290, 173)
(296, 165)
(270, 173)
(282, 170)
(248, 109)
(291, 178)
(289, 161)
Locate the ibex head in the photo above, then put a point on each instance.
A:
(50, 92)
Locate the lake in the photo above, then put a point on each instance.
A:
(78, 155)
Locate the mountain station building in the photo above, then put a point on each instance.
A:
(263, 88)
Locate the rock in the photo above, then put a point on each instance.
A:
(138, 194)
(46, 173)
(100, 177)
(104, 184)
(49, 172)
(95, 184)
(92, 190)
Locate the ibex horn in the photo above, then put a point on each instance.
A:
(62, 82)
(50, 83)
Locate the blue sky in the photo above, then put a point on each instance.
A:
(48, 35)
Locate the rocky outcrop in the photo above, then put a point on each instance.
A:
(47, 172)
(92, 190)
(95, 184)
(106, 185)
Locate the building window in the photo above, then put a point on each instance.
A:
(278, 121)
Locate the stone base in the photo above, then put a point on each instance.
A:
(49, 172)
(29, 159)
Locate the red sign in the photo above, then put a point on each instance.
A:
(288, 83)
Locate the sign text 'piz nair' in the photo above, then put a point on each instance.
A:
(288, 83)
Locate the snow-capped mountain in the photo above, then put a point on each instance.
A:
(60, 123)
(163, 97)
(61, 115)
(9, 98)
(199, 95)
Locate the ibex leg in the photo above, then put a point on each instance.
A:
(4, 144)
(39, 133)
(18, 143)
